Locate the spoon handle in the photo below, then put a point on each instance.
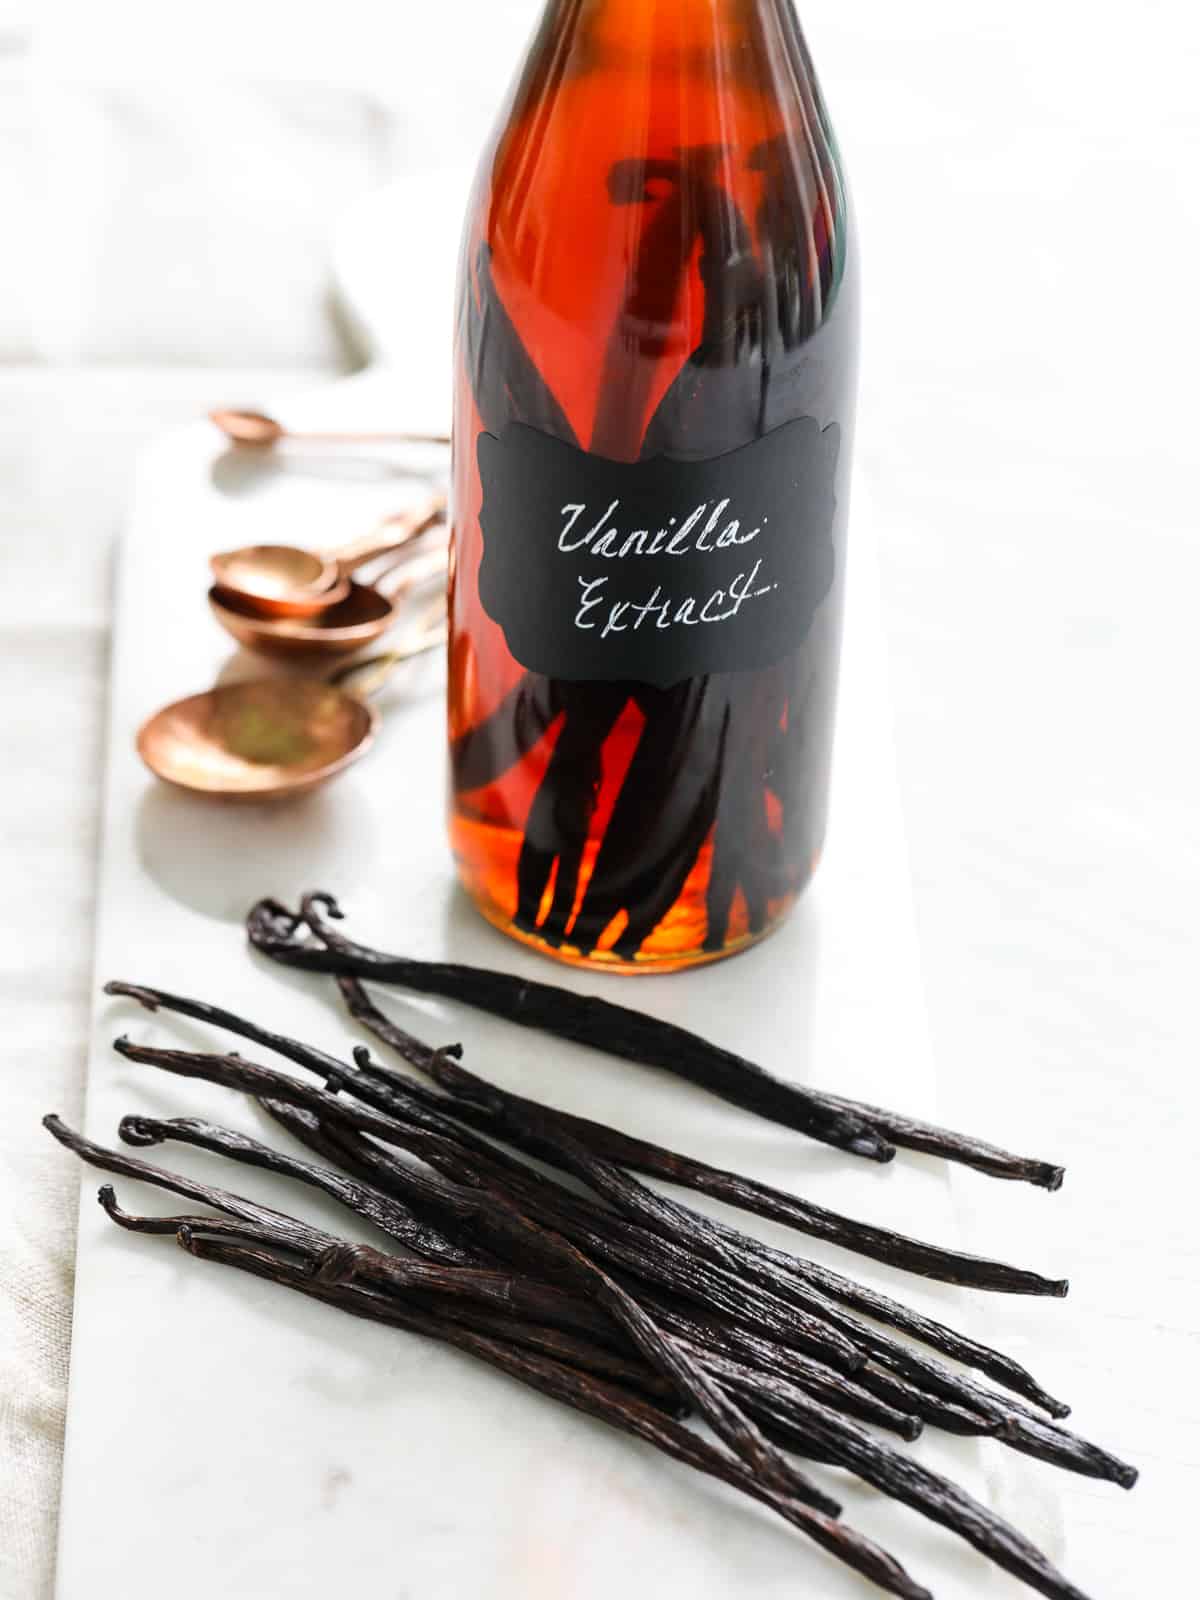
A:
(413, 572)
(365, 678)
(393, 533)
(367, 438)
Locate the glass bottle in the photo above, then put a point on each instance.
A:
(655, 376)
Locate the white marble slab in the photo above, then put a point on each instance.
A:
(225, 1438)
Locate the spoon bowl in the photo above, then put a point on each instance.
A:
(282, 581)
(263, 740)
(356, 621)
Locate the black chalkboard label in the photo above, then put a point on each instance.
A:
(655, 571)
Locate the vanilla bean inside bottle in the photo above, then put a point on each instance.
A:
(656, 350)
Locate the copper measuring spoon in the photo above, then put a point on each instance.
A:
(356, 622)
(280, 580)
(275, 737)
(255, 428)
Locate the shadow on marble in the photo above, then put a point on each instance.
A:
(198, 851)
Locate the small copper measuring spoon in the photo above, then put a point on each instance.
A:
(255, 428)
(275, 737)
(356, 622)
(280, 580)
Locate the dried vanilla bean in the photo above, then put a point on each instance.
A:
(803, 1422)
(663, 1353)
(623, 1033)
(662, 1261)
(398, 1096)
(538, 1131)
(620, 1031)
(384, 1211)
(934, 1393)
(494, 1107)
(502, 1290)
(947, 1398)
(675, 1269)
(840, 1394)
(551, 1341)
(499, 1220)
(585, 1393)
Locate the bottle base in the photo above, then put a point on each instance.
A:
(642, 965)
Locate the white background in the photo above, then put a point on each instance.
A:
(171, 178)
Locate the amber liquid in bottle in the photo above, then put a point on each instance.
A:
(657, 268)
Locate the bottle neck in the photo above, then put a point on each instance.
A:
(667, 28)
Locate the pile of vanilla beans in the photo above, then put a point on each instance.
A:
(600, 1291)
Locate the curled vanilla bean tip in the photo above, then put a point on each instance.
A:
(132, 991)
(185, 1237)
(139, 1131)
(362, 1056)
(321, 898)
(270, 920)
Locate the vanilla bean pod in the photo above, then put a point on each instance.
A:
(504, 1220)
(932, 1392)
(533, 1129)
(633, 1036)
(937, 1498)
(603, 1401)
(663, 1261)
(805, 1423)
(929, 1391)
(412, 1100)
(1016, 1426)
(883, 1308)
(877, 1397)
(885, 1400)
(404, 1098)
(1012, 1423)
(711, 1335)
(397, 1096)
(612, 1028)
(690, 1231)
(384, 1211)
(677, 1270)
(839, 1394)
(501, 1224)
(494, 1108)
(540, 1132)
(501, 1290)
(297, 1236)
(547, 1340)
(999, 1415)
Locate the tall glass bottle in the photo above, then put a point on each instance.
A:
(656, 346)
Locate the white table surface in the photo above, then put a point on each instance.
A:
(1028, 421)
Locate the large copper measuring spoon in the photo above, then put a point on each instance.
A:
(275, 737)
(255, 428)
(280, 580)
